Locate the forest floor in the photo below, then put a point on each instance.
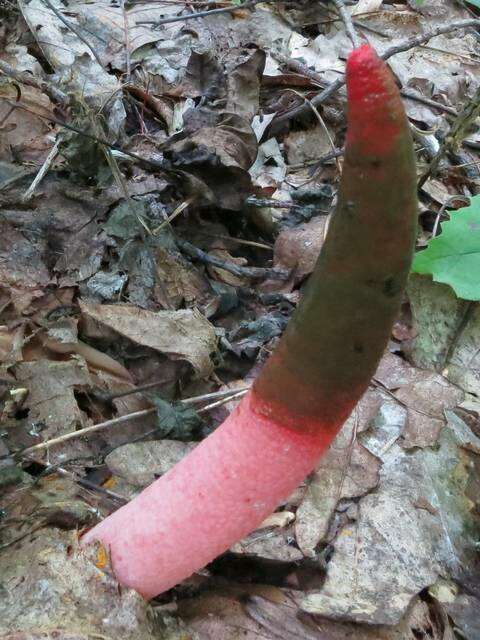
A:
(167, 173)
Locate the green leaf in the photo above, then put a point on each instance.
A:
(454, 256)
(476, 3)
(176, 421)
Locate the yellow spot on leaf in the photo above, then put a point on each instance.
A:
(110, 483)
(102, 559)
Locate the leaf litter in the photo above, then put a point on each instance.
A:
(100, 296)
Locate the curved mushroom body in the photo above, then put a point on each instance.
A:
(238, 475)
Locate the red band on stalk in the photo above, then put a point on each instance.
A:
(375, 113)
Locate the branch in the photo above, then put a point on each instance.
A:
(241, 272)
(404, 45)
(200, 14)
(347, 21)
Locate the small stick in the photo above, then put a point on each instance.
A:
(22, 536)
(270, 202)
(120, 420)
(178, 210)
(142, 161)
(444, 206)
(43, 170)
(347, 21)
(302, 69)
(404, 45)
(187, 401)
(200, 14)
(458, 131)
(323, 126)
(213, 405)
(248, 243)
(413, 95)
(127, 41)
(90, 485)
(249, 272)
(87, 430)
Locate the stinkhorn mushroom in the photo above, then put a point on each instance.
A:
(237, 476)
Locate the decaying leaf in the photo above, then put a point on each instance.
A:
(23, 273)
(52, 407)
(51, 561)
(177, 282)
(412, 545)
(273, 615)
(298, 248)
(348, 470)
(183, 334)
(140, 463)
(448, 332)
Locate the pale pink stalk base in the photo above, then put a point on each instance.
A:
(216, 495)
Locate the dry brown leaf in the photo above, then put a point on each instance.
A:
(51, 401)
(26, 131)
(298, 248)
(184, 334)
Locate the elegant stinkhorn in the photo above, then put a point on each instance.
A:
(238, 475)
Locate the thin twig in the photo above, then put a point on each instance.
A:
(442, 210)
(127, 41)
(55, 94)
(413, 95)
(235, 269)
(328, 157)
(379, 385)
(323, 126)
(404, 45)
(253, 201)
(416, 41)
(301, 68)
(186, 401)
(200, 14)
(458, 131)
(468, 310)
(89, 485)
(224, 395)
(43, 170)
(214, 405)
(21, 537)
(347, 21)
(142, 161)
(41, 446)
(248, 243)
(178, 210)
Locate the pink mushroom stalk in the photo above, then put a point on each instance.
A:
(237, 476)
